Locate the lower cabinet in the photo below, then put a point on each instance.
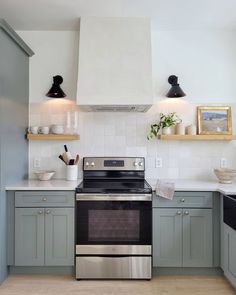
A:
(229, 253)
(44, 236)
(167, 237)
(182, 237)
(29, 236)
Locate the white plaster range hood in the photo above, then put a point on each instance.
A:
(114, 71)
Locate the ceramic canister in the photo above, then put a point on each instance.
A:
(71, 172)
(192, 129)
(180, 129)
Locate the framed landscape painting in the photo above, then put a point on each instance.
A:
(214, 120)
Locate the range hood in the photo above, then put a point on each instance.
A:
(115, 69)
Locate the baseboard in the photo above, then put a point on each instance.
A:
(50, 270)
(158, 271)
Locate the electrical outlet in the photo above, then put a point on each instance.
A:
(158, 162)
(223, 163)
(37, 162)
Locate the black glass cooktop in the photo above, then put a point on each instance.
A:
(114, 186)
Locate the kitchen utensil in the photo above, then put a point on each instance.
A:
(66, 158)
(67, 152)
(60, 157)
(225, 175)
(44, 174)
(77, 160)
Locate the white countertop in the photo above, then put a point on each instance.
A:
(51, 185)
(180, 185)
(199, 185)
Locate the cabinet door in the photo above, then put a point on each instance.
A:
(229, 236)
(59, 236)
(167, 237)
(29, 236)
(197, 238)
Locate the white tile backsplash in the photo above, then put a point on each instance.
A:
(125, 134)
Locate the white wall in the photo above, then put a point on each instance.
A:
(56, 52)
(205, 64)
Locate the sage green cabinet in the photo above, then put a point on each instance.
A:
(29, 236)
(44, 236)
(182, 237)
(59, 236)
(167, 237)
(229, 252)
(197, 238)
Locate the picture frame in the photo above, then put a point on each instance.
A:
(214, 120)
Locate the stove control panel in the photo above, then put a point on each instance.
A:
(111, 163)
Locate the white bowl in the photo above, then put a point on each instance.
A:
(44, 174)
(225, 175)
(57, 129)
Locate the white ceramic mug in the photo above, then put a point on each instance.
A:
(34, 129)
(71, 172)
(44, 129)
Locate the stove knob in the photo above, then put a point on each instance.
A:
(140, 164)
(92, 164)
(87, 164)
(135, 164)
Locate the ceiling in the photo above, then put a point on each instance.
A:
(165, 14)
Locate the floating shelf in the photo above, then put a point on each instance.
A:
(196, 137)
(53, 136)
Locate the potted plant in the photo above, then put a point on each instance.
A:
(165, 123)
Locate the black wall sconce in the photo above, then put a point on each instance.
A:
(175, 90)
(56, 91)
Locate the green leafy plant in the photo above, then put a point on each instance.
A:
(165, 121)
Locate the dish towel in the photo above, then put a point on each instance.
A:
(165, 189)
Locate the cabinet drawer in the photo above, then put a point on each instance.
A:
(44, 199)
(185, 199)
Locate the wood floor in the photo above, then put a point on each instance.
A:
(163, 285)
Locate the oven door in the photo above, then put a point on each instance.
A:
(106, 221)
(230, 211)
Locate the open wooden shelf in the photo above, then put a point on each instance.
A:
(196, 137)
(53, 136)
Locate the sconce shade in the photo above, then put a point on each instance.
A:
(56, 91)
(175, 90)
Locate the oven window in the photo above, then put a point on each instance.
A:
(113, 225)
(114, 222)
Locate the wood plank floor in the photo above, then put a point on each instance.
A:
(162, 285)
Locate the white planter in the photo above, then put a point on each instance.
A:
(166, 130)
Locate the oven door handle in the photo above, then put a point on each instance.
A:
(113, 197)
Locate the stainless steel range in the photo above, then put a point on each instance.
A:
(113, 220)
